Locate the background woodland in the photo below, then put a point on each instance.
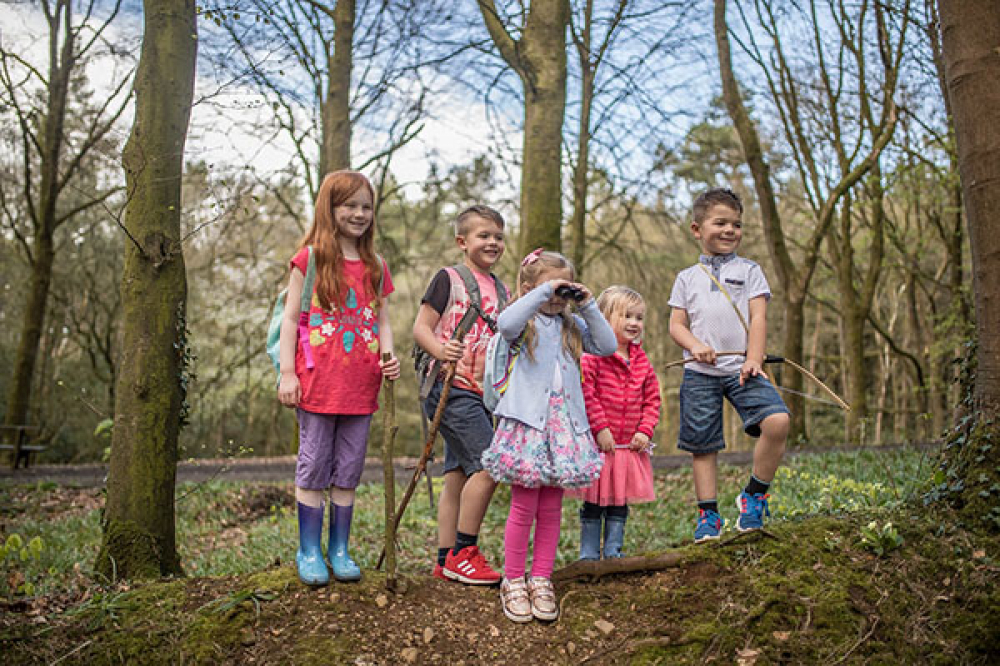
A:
(590, 124)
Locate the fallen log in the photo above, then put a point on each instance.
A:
(594, 570)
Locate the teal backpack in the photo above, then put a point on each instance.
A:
(278, 313)
(500, 358)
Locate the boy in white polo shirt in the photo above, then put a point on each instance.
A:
(704, 320)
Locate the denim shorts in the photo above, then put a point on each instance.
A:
(701, 408)
(466, 425)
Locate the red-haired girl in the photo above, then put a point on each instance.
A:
(330, 366)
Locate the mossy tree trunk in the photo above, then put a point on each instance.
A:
(970, 35)
(139, 535)
(539, 58)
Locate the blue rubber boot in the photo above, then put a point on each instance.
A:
(309, 559)
(614, 536)
(344, 568)
(590, 538)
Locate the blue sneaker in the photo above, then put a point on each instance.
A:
(752, 508)
(709, 526)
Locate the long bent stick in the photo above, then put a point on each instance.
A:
(389, 428)
(774, 359)
(424, 457)
(468, 319)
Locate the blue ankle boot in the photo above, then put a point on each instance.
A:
(309, 558)
(344, 568)
(614, 535)
(590, 538)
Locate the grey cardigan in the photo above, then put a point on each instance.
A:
(527, 396)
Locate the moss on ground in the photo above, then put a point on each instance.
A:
(811, 594)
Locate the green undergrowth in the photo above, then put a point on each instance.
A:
(227, 528)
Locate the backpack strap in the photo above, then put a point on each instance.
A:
(501, 293)
(310, 279)
(476, 298)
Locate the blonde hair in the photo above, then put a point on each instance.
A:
(533, 267)
(615, 301)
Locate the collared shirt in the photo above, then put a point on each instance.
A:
(711, 318)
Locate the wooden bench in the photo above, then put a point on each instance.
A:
(15, 439)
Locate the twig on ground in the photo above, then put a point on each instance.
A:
(73, 651)
(874, 620)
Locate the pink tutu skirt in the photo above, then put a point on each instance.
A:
(627, 478)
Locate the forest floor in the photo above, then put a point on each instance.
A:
(822, 589)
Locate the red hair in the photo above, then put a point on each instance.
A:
(324, 237)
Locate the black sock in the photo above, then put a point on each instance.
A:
(619, 511)
(756, 486)
(443, 553)
(709, 505)
(591, 511)
(463, 540)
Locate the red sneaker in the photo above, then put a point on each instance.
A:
(469, 566)
(439, 572)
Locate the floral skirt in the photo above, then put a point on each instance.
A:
(556, 456)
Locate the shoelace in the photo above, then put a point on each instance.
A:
(707, 516)
(751, 502)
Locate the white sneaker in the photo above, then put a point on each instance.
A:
(514, 597)
(543, 598)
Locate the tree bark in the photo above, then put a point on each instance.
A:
(336, 108)
(970, 34)
(539, 58)
(139, 531)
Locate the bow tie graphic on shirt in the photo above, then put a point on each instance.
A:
(715, 262)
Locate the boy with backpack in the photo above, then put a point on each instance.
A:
(466, 424)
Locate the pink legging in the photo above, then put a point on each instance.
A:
(528, 505)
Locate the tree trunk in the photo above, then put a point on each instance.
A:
(336, 108)
(581, 173)
(539, 58)
(62, 60)
(19, 399)
(970, 32)
(581, 170)
(139, 536)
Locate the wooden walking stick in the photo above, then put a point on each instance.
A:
(463, 327)
(389, 428)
